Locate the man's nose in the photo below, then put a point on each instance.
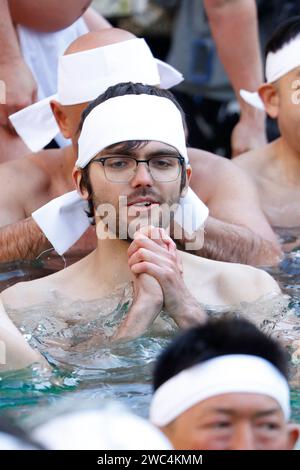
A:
(142, 176)
(243, 438)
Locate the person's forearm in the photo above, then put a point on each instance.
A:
(21, 240)
(8, 39)
(15, 352)
(190, 313)
(138, 319)
(234, 28)
(236, 244)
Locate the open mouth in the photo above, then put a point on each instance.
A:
(140, 206)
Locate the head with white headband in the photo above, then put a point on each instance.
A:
(126, 124)
(223, 386)
(91, 64)
(279, 96)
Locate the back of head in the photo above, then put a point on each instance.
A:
(94, 39)
(283, 35)
(216, 338)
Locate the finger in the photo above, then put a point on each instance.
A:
(153, 233)
(168, 240)
(142, 255)
(145, 242)
(173, 249)
(149, 268)
(179, 264)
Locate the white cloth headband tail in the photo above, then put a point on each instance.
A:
(169, 76)
(64, 219)
(36, 124)
(253, 99)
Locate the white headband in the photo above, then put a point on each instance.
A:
(130, 117)
(111, 428)
(278, 64)
(236, 373)
(83, 76)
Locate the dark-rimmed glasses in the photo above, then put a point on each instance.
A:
(121, 169)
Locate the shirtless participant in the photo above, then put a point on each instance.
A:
(27, 63)
(275, 168)
(237, 231)
(108, 168)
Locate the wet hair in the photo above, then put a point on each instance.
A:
(217, 338)
(283, 35)
(122, 89)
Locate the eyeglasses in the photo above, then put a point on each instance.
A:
(121, 169)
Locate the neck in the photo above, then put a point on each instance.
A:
(69, 159)
(288, 162)
(109, 263)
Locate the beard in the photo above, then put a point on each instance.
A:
(122, 221)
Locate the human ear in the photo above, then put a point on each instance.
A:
(61, 118)
(268, 93)
(77, 178)
(293, 435)
(187, 182)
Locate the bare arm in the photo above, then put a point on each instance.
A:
(139, 318)
(143, 313)
(15, 352)
(20, 85)
(22, 240)
(236, 244)
(234, 209)
(10, 48)
(235, 31)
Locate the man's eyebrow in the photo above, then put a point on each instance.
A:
(268, 412)
(259, 414)
(135, 152)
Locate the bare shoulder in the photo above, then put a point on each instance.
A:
(212, 173)
(255, 160)
(62, 284)
(246, 283)
(27, 173)
(209, 161)
(226, 283)
(29, 293)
